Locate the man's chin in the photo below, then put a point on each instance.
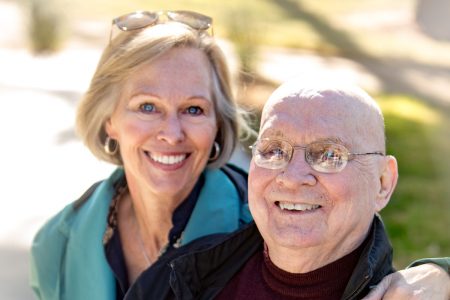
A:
(294, 237)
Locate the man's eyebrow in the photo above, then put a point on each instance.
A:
(273, 133)
(333, 139)
(330, 139)
(278, 134)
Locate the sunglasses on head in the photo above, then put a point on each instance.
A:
(322, 156)
(141, 19)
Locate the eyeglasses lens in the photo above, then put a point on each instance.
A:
(272, 154)
(326, 157)
(136, 20)
(192, 19)
(322, 157)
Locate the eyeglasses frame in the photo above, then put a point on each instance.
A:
(350, 155)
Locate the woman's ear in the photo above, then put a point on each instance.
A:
(388, 182)
(109, 128)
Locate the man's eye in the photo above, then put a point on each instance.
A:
(273, 153)
(329, 156)
(194, 110)
(147, 108)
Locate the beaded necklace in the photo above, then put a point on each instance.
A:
(121, 189)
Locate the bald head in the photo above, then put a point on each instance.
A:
(325, 102)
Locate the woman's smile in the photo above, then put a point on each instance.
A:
(167, 159)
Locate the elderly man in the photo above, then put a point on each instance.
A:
(318, 177)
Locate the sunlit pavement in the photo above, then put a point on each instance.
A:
(43, 166)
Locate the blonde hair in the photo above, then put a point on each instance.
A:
(126, 53)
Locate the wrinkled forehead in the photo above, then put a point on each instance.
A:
(305, 114)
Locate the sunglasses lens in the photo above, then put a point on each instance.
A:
(192, 19)
(327, 157)
(135, 20)
(271, 154)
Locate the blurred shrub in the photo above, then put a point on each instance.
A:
(45, 25)
(243, 32)
(417, 215)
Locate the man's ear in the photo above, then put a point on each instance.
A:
(388, 182)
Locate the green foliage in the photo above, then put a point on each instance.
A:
(243, 33)
(417, 217)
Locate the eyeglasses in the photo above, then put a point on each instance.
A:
(324, 157)
(141, 19)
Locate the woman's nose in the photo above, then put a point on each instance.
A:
(297, 172)
(171, 130)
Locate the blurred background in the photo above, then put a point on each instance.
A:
(398, 51)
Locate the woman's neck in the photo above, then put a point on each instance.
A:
(144, 224)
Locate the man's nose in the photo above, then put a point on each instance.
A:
(171, 130)
(297, 172)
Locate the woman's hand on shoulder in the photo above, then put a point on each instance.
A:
(423, 282)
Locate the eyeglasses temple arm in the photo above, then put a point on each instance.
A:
(368, 153)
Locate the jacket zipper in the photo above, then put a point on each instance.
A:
(358, 289)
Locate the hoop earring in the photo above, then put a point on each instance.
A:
(216, 152)
(111, 146)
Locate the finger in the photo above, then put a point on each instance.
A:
(378, 292)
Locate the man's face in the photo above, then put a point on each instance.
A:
(299, 208)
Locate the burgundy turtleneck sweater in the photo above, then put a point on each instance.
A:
(261, 279)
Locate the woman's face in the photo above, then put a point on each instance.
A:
(165, 123)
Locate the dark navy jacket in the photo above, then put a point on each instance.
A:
(203, 269)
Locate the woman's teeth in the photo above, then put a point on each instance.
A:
(168, 159)
(297, 206)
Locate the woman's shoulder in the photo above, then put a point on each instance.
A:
(93, 198)
(238, 176)
(81, 222)
(227, 186)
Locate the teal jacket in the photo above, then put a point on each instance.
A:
(67, 255)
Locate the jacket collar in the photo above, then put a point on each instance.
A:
(216, 265)
(374, 263)
(84, 224)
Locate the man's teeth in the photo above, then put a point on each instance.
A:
(168, 159)
(296, 206)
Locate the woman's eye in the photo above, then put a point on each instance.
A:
(147, 108)
(194, 110)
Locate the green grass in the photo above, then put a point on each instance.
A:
(417, 217)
